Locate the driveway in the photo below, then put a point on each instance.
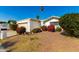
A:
(43, 42)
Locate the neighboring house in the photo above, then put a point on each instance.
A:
(54, 20)
(3, 29)
(3, 25)
(29, 24)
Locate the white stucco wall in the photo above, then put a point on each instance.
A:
(34, 24)
(28, 24)
(48, 22)
(25, 23)
(42, 22)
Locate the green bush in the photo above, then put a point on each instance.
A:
(70, 24)
(13, 26)
(58, 29)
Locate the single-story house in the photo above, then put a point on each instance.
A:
(29, 24)
(53, 20)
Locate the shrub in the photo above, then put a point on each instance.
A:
(21, 30)
(13, 26)
(58, 29)
(44, 28)
(51, 28)
(36, 30)
(70, 23)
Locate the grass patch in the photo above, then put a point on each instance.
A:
(33, 44)
(24, 43)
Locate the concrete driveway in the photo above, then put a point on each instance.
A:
(11, 33)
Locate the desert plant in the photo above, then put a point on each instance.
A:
(44, 28)
(58, 29)
(13, 26)
(21, 30)
(51, 28)
(70, 23)
(36, 30)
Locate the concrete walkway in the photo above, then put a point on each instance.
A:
(2, 50)
(11, 33)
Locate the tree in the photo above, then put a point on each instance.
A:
(70, 23)
(12, 24)
(37, 17)
(41, 8)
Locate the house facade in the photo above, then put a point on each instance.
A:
(29, 24)
(54, 20)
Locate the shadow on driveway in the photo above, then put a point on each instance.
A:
(8, 44)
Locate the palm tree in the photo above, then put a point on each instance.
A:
(37, 17)
(41, 9)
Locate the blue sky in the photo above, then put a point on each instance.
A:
(22, 12)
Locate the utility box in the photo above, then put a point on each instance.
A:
(3, 30)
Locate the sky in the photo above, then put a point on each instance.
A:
(22, 12)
